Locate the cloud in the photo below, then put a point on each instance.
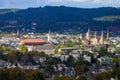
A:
(79, 0)
(97, 1)
(54, 1)
(103, 2)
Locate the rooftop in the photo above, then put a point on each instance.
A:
(33, 41)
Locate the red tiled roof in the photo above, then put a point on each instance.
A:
(32, 41)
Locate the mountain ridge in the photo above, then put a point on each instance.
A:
(59, 19)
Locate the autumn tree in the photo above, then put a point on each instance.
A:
(34, 75)
(23, 49)
(80, 69)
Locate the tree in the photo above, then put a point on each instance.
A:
(102, 51)
(16, 74)
(80, 69)
(97, 62)
(4, 49)
(12, 58)
(23, 49)
(69, 43)
(19, 74)
(62, 78)
(50, 69)
(4, 75)
(56, 49)
(42, 54)
(103, 76)
(70, 60)
(52, 61)
(34, 75)
(18, 54)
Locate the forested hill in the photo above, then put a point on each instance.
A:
(60, 19)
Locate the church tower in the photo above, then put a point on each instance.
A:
(81, 37)
(95, 35)
(107, 34)
(18, 34)
(88, 34)
(95, 39)
(102, 38)
(49, 36)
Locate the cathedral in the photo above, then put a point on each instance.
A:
(94, 39)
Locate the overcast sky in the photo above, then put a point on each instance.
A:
(72, 3)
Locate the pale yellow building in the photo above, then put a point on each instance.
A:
(90, 39)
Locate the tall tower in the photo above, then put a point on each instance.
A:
(107, 34)
(88, 34)
(95, 39)
(95, 35)
(49, 36)
(102, 38)
(18, 34)
(81, 36)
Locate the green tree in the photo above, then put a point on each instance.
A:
(80, 69)
(23, 49)
(56, 49)
(97, 62)
(52, 61)
(34, 75)
(50, 70)
(103, 76)
(12, 58)
(16, 74)
(103, 51)
(4, 49)
(69, 43)
(70, 61)
(62, 78)
(4, 75)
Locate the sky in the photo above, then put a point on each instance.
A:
(72, 3)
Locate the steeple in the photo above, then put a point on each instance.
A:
(102, 38)
(18, 34)
(95, 35)
(49, 36)
(88, 30)
(88, 36)
(107, 34)
(81, 36)
(49, 31)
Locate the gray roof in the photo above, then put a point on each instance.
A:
(44, 47)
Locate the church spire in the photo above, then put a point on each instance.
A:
(102, 38)
(95, 34)
(88, 35)
(88, 30)
(49, 31)
(107, 34)
(49, 35)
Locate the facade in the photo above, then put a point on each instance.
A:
(38, 45)
(105, 60)
(94, 39)
(67, 50)
(87, 58)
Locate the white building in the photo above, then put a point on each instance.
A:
(105, 60)
(87, 58)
